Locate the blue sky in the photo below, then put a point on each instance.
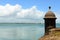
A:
(41, 4)
(29, 7)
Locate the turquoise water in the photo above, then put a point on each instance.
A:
(16, 31)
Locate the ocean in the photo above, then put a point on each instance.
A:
(21, 31)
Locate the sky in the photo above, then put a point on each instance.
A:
(27, 11)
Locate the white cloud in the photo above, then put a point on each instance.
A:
(16, 11)
(58, 18)
(9, 9)
(19, 11)
(30, 13)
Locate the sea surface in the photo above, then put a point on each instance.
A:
(21, 31)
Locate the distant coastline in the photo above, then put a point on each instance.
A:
(26, 23)
(21, 23)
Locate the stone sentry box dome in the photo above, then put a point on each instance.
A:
(50, 14)
(50, 21)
